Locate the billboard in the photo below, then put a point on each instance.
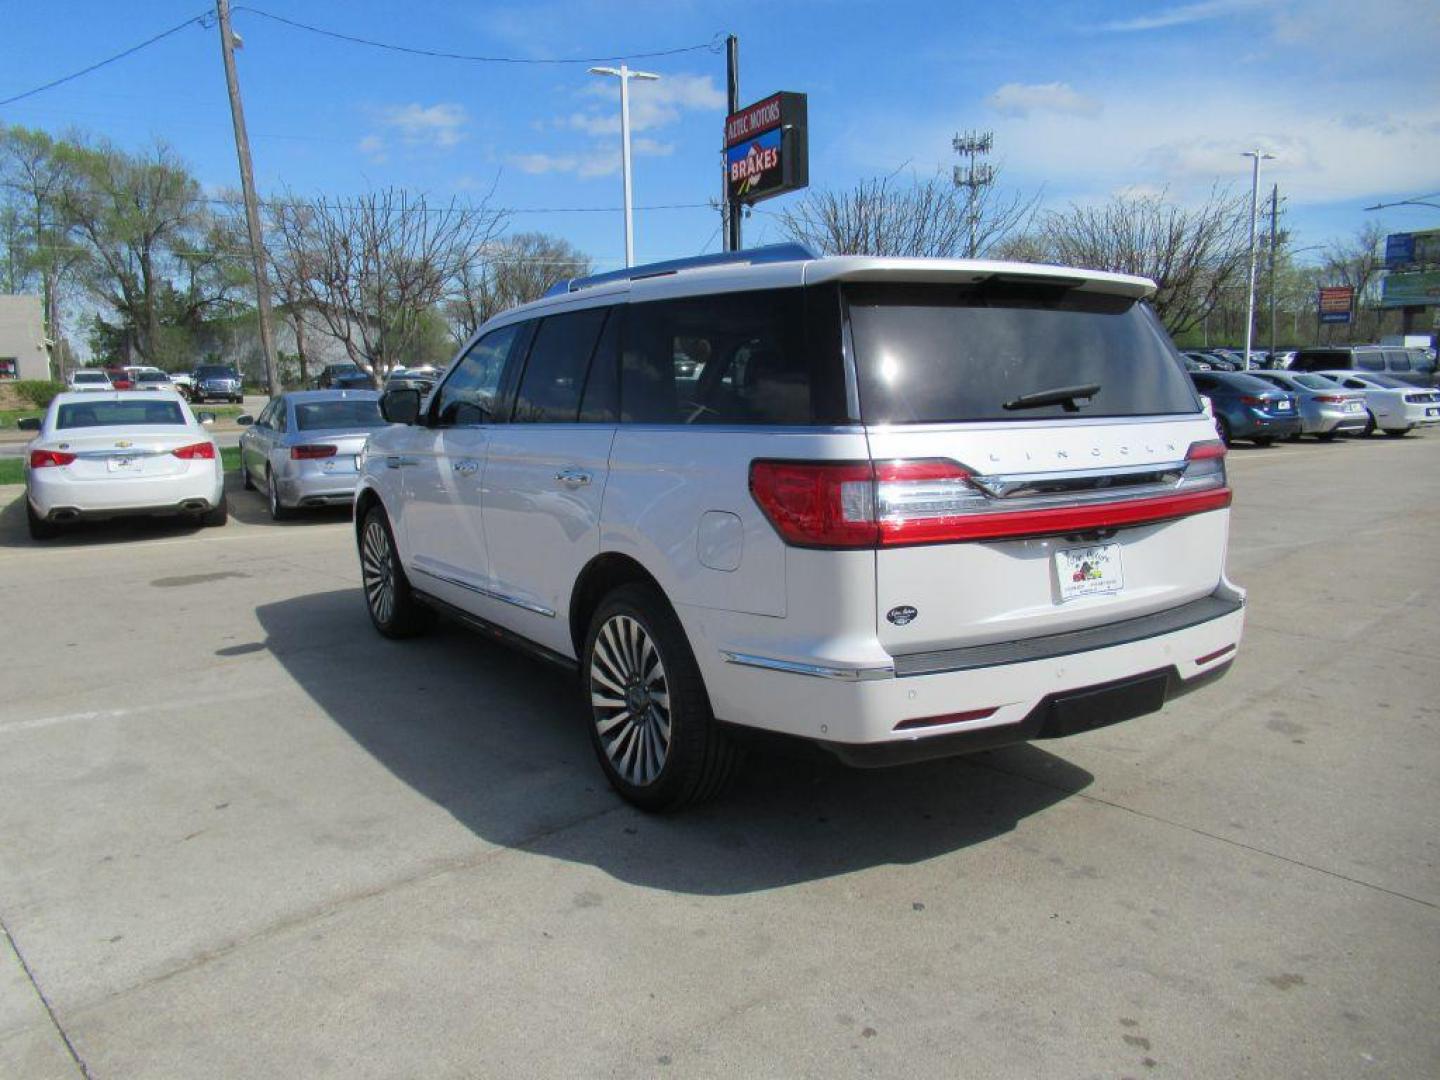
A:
(767, 149)
(1412, 249)
(1415, 289)
(1336, 302)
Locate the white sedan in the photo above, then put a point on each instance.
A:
(89, 380)
(117, 454)
(1395, 407)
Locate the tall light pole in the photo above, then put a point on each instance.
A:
(624, 74)
(1259, 156)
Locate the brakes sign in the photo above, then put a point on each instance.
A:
(767, 148)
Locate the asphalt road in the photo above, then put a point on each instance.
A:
(242, 836)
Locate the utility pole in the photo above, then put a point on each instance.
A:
(1259, 156)
(624, 74)
(974, 177)
(732, 99)
(1274, 244)
(252, 208)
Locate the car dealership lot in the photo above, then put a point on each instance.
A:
(242, 835)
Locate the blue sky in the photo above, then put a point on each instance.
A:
(1085, 99)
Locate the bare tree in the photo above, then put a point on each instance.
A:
(515, 271)
(1191, 253)
(1358, 262)
(374, 269)
(920, 218)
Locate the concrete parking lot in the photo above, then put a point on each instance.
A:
(243, 836)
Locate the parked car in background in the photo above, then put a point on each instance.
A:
(1196, 361)
(1396, 407)
(88, 379)
(1325, 410)
(119, 378)
(344, 377)
(303, 449)
(420, 378)
(1247, 407)
(119, 454)
(898, 549)
(151, 379)
(218, 382)
(1216, 361)
(183, 381)
(1412, 368)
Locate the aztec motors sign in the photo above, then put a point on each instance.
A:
(767, 149)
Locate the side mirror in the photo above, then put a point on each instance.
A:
(205, 417)
(400, 405)
(244, 419)
(28, 423)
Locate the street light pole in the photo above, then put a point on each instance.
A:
(1259, 156)
(624, 74)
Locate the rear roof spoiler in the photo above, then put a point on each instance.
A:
(768, 253)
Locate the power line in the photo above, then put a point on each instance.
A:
(193, 20)
(712, 44)
(272, 204)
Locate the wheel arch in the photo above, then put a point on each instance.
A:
(365, 498)
(607, 571)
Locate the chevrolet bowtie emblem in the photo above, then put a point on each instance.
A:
(122, 443)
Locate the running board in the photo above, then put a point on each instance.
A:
(494, 632)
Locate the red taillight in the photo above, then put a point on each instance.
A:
(1249, 399)
(1331, 399)
(933, 501)
(196, 452)
(311, 451)
(40, 459)
(947, 718)
(817, 504)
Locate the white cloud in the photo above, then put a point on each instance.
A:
(653, 106)
(439, 125)
(373, 147)
(1022, 99)
(1181, 16)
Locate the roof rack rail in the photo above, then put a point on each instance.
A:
(768, 253)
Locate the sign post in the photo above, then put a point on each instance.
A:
(767, 150)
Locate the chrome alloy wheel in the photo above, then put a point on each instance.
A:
(630, 699)
(377, 571)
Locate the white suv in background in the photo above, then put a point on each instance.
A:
(901, 508)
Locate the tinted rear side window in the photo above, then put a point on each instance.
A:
(1321, 360)
(944, 353)
(554, 375)
(1397, 360)
(1370, 361)
(736, 358)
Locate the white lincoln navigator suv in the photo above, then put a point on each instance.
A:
(900, 508)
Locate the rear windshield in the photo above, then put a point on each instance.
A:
(1389, 381)
(943, 353)
(1235, 380)
(332, 415)
(91, 376)
(1314, 382)
(119, 414)
(151, 376)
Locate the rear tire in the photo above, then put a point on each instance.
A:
(218, 516)
(1326, 436)
(1264, 440)
(278, 510)
(389, 599)
(1223, 426)
(1369, 425)
(245, 480)
(1397, 433)
(650, 719)
(40, 529)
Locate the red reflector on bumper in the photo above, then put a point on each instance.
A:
(1214, 655)
(948, 718)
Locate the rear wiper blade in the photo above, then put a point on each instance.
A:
(1069, 396)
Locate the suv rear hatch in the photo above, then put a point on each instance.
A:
(1041, 460)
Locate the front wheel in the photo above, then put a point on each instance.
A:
(650, 718)
(393, 607)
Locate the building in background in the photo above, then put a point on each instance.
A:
(24, 350)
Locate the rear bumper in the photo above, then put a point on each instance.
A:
(998, 694)
(313, 487)
(54, 497)
(1329, 421)
(1249, 425)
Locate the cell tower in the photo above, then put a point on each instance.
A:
(973, 176)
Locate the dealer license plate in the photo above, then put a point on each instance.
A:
(1283, 406)
(1088, 570)
(1432, 412)
(124, 464)
(1355, 406)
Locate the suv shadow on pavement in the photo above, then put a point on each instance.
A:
(497, 739)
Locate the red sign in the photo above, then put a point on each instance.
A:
(747, 123)
(1336, 302)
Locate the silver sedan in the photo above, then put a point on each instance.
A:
(303, 449)
(1325, 409)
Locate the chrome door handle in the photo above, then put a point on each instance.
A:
(466, 466)
(573, 477)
